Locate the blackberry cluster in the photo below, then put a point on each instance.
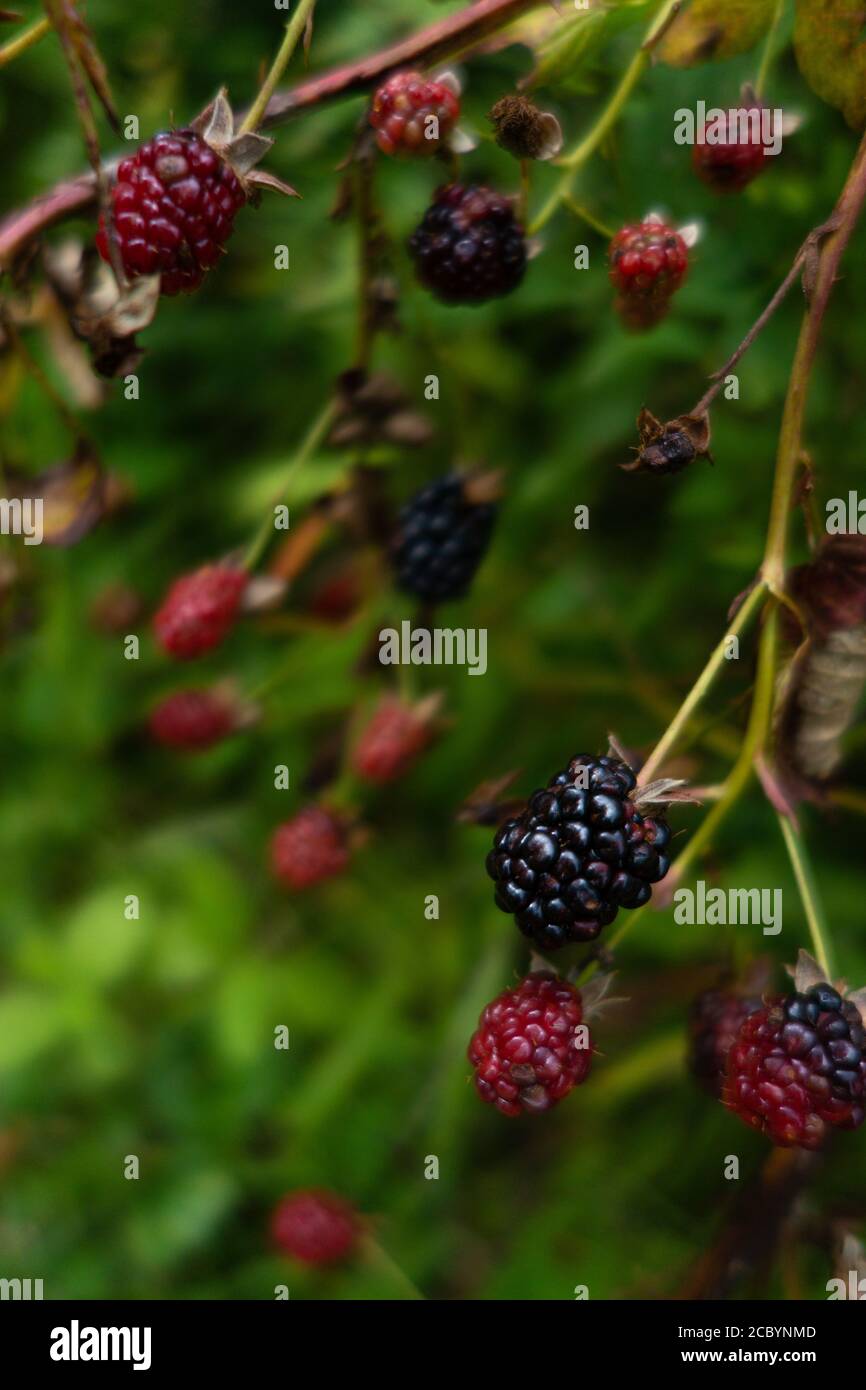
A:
(173, 207)
(308, 849)
(714, 1021)
(729, 165)
(798, 1066)
(578, 853)
(526, 1051)
(315, 1227)
(192, 720)
(469, 246)
(199, 610)
(402, 113)
(440, 540)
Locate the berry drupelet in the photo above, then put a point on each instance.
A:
(192, 720)
(315, 1227)
(173, 206)
(308, 849)
(440, 540)
(199, 610)
(737, 154)
(714, 1021)
(798, 1067)
(413, 115)
(648, 263)
(527, 1051)
(469, 247)
(579, 852)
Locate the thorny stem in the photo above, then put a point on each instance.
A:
(808, 893)
(608, 118)
(306, 449)
(26, 39)
(294, 29)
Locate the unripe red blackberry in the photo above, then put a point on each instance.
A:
(413, 114)
(714, 1022)
(738, 157)
(193, 719)
(440, 540)
(648, 263)
(173, 205)
(309, 848)
(315, 1226)
(391, 742)
(469, 246)
(579, 852)
(798, 1067)
(199, 610)
(530, 1049)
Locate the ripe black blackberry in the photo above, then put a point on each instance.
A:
(440, 541)
(579, 852)
(469, 246)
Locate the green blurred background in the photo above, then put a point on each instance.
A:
(155, 1037)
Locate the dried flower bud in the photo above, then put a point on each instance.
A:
(525, 131)
(671, 447)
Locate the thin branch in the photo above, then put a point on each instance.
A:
(26, 39)
(294, 29)
(808, 893)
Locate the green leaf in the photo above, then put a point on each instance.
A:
(100, 944)
(568, 42)
(29, 1023)
(831, 50)
(708, 30)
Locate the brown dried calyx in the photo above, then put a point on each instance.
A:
(826, 676)
(669, 447)
(242, 150)
(524, 130)
(374, 409)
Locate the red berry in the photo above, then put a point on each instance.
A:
(715, 1020)
(192, 720)
(316, 1227)
(412, 114)
(526, 1053)
(798, 1066)
(648, 263)
(308, 848)
(391, 742)
(199, 609)
(730, 165)
(173, 206)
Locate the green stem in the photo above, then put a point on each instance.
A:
(586, 216)
(308, 446)
(25, 40)
(378, 1258)
(608, 118)
(294, 29)
(702, 685)
(808, 893)
(768, 54)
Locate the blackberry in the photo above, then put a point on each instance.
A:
(732, 163)
(413, 114)
(714, 1022)
(309, 848)
(578, 853)
(440, 540)
(469, 246)
(173, 206)
(648, 263)
(526, 1052)
(199, 610)
(315, 1227)
(193, 720)
(391, 742)
(798, 1067)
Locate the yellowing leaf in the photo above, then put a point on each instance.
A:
(831, 51)
(711, 29)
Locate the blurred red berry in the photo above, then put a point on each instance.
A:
(173, 206)
(526, 1052)
(314, 1226)
(391, 742)
(728, 166)
(412, 114)
(798, 1066)
(199, 610)
(192, 719)
(714, 1022)
(648, 263)
(309, 848)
